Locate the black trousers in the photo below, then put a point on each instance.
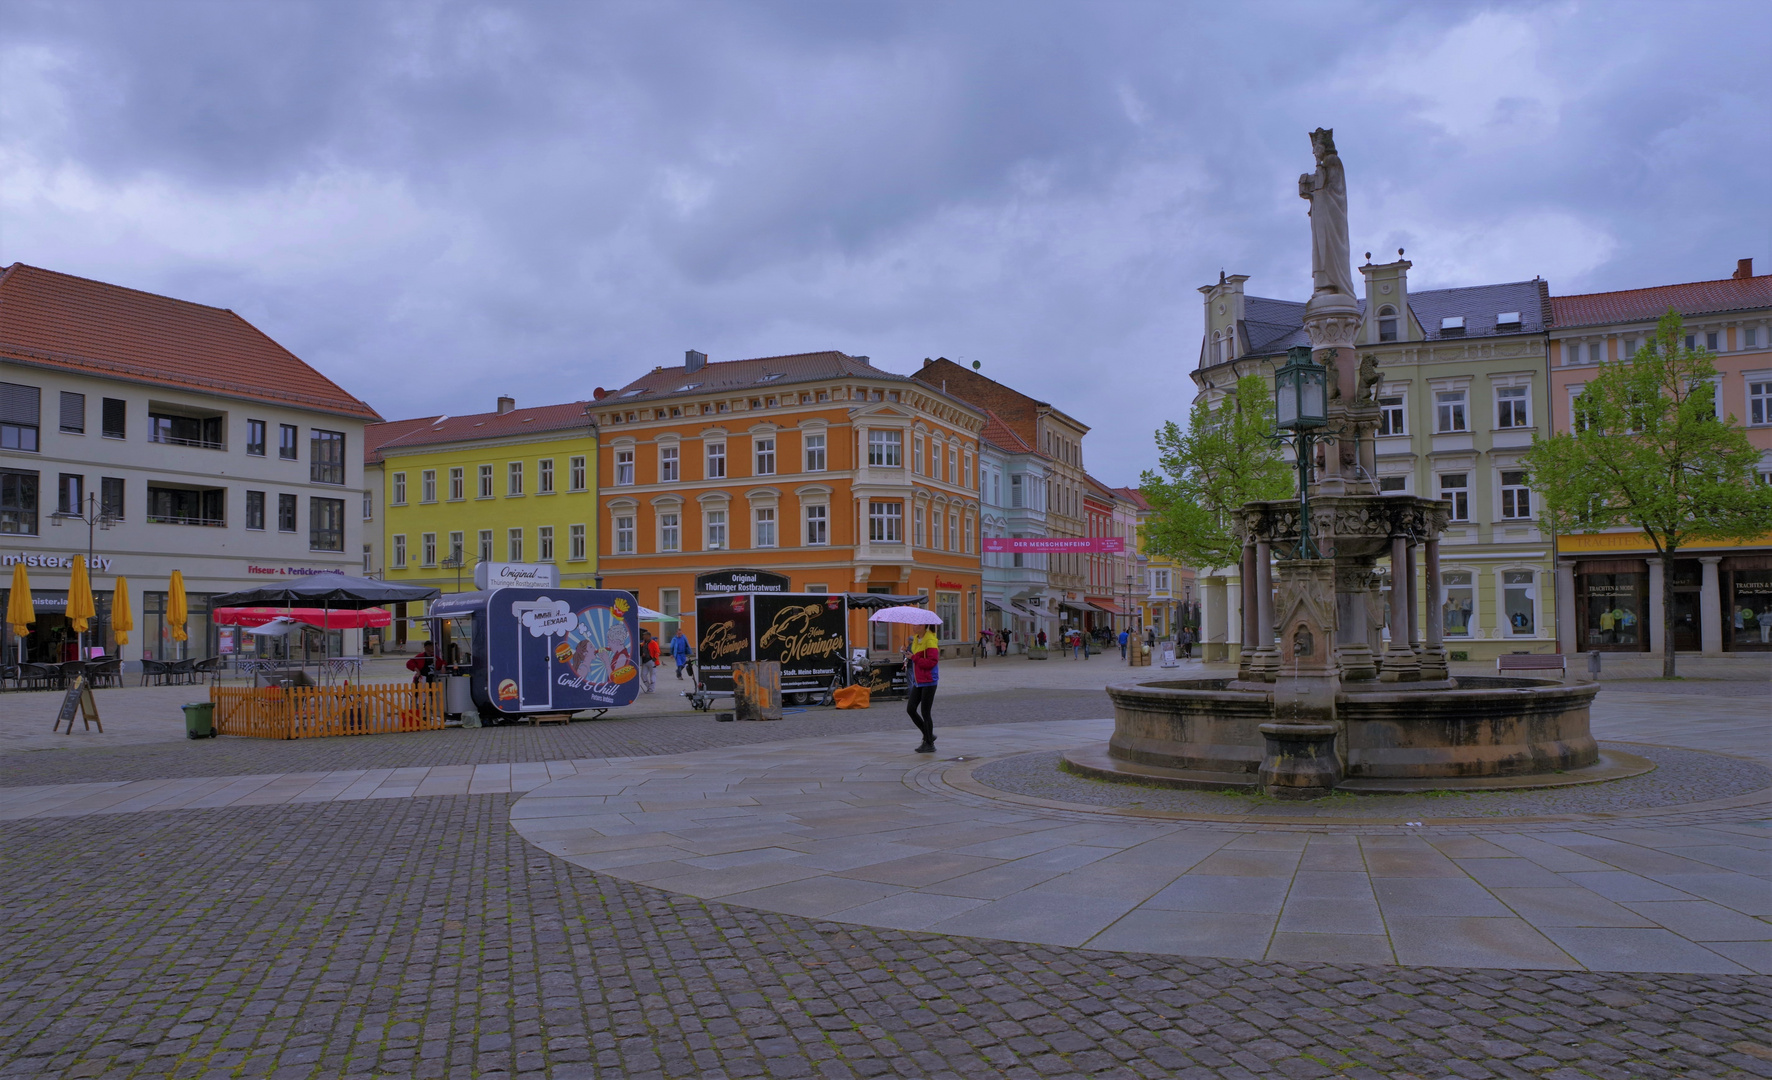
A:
(920, 698)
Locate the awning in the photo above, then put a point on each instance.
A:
(1108, 606)
(345, 619)
(992, 604)
(874, 601)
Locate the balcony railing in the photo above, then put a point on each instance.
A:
(174, 440)
(184, 519)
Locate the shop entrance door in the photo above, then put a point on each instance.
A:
(1682, 598)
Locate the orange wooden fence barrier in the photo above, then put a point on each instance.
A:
(313, 712)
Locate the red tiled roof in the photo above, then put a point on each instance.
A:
(1001, 435)
(60, 321)
(1133, 496)
(1645, 305)
(492, 425)
(375, 436)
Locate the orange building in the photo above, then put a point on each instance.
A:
(820, 467)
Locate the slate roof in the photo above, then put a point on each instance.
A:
(1692, 299)
(1273, 326)
(70, 323)
(745, 376)
(492, 425)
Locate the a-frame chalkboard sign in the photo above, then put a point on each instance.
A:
(79, 696)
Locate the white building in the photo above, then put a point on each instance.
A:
(166, 436)
(1013, 483)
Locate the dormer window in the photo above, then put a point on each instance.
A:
(1507, 320)
(770, 377)
(1387, 323)
(633, 393)
(1452, 326)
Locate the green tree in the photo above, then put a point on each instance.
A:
(1225, 458)
(1650, 451)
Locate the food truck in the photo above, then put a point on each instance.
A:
(539, 650)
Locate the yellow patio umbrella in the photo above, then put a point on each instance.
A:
(19, 611)
(175, 607)
(80, 610)
(122, 617)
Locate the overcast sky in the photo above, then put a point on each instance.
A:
(436, 203)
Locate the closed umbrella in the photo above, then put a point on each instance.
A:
(80, 610)
(176, 613)
(122, 616)
(19, 611)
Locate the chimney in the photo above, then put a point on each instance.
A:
(694, 361)
(506, 404)
(1744, 269)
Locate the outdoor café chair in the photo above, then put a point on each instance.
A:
(36, 676)
(106, 672)
(182, 672)
(157, 670)
(211, 667)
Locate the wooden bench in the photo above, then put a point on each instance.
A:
(1530, 662)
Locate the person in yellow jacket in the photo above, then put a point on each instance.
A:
(923, 676)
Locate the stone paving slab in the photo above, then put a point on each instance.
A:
(1489, 895)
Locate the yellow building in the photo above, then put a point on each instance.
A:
(515, 485)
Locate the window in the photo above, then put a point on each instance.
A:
(368, 505)
(70, 494)
(114, 417)
(1460, 601)
(188, 506)
(177, 430)
(514, 479)
(668, 464)
(1510, 407)
(886, 522)
(577, 473)
(624, 534)
(966, 471)
(368, 559)
(1519, 602)
(1160, 581)
(1452, 326)
(670, 601)
(917, 524)
(255, 437)
(399, 496)
(485, 545)
(917, 455)
(1391, 416)
(286, 513)
(1392, 483)
(1017, 494)
(19, 409)
(934, 459)
(485, 481)
(544, 543)
(935, 519)
(624, 468)
(1455, 489)
(427, 547)
(715, 523)
(815, 452)
(397, 558)
(817, 525)
(457, 549)
(968, 534)
(1710, 342)
(953, 465)
(326, 524)
(428, 486)
(953, 530)
(1628, 348)
(255, 510)
(110, 499)
(73, 419)
(575, 543)
(765, 454)
(885, 448)
(716, 458)
(1759, 402)
(544, 476)
(947, 605)
(18, 503)
(287, 434)
(763, 526)
(1516, 499)
(1450, 410)
(514, 545)
(327, 462)
(1750, 337)
(670, 531)
(458, 487)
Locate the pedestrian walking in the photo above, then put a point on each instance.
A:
(680, 653)
(1187, 643)
(1150, 637)
(648, 662)
(1123, 636)
(925, 673)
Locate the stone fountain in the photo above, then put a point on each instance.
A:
(1322, 702)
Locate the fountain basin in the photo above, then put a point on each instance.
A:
(1480, 727)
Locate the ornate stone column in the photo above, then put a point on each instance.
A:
(1414, 603)
(1433, 657)
(1400, 664)
(1265, 658)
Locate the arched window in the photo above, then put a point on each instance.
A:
(1217, 348)
(1387, 323)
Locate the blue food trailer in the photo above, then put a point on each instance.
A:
(550, 650)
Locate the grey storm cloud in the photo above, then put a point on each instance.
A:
(438, 202)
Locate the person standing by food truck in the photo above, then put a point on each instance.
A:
(680, 651)
(925, 673)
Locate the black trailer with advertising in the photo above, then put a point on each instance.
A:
(749, 615)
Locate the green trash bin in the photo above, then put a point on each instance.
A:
(200, 720)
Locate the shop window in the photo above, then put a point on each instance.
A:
(815, 457)
(1519, 602)
(947, 605)
(1614, 608)
(1750, 608)
(1460, 601)
(18, 503)
(817, 525)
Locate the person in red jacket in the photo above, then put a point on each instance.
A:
(925, 673)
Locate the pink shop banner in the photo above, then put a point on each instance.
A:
(1046, 545)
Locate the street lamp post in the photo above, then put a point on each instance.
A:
(96, 518)
(1301, 399)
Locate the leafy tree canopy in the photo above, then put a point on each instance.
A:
(1224, 459)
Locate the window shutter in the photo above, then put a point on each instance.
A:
(73, 412)
(115, 417)
(20, 404)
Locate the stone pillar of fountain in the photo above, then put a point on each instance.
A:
(1301, 759)
(1414, 603)
(1215, 613)
(1433, 657)
(1400, 664)
(1265, 657)
(1251, 614)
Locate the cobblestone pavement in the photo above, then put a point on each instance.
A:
(424, 938)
